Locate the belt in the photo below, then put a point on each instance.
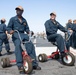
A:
(1, 32)
(21, 31)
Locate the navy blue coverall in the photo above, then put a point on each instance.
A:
(73, 36)
(15, 24)
(3, 37)
(68, 25)
(51, 31)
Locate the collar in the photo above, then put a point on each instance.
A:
(16, 18)
(54, 22)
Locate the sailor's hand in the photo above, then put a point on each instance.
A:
(66, 32)
(71, 31)
(12, 31)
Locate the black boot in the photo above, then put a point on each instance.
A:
(36, 68)
(63, 54)
(0, 54)
(21, 70)
(8, 52)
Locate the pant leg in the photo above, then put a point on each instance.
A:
(74, 40)
(59, 39)
(18, 52)
(31, 52)
(69, 43)
(7, 46)
(1, 43)
(60, 42)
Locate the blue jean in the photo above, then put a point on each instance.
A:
(6, 42)
(59, 40)
(29, 48)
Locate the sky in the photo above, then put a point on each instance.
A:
(36, 12)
